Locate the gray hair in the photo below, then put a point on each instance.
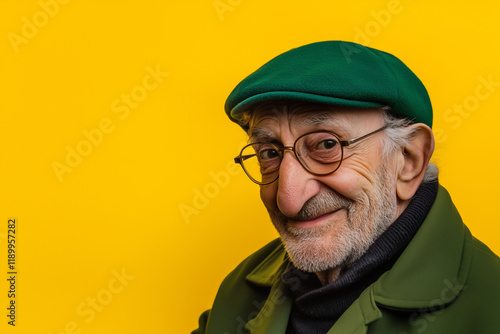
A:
(399, 135)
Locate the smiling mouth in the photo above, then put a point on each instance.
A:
(314, 220)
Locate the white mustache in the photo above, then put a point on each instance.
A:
(317, 206)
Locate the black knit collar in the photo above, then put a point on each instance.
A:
(316, 308)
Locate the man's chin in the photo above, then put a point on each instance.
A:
(314, 254)
(317, 245)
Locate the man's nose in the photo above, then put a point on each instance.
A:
(295, 185)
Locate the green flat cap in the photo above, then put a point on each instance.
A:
(335, 73)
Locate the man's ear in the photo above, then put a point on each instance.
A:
(415, 157)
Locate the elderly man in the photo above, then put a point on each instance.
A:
(339, 142)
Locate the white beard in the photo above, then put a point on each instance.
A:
(346, 236)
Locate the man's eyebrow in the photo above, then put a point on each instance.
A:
(261, 134)
(316, 119)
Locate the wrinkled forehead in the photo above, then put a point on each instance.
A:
(265, 118)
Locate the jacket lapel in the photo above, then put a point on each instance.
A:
(273, 317)
(359, 315)
(432, 271)
(274, 314)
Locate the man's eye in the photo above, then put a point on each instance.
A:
(268, 154)
(326, 144)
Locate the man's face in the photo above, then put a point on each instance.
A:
(329, 221)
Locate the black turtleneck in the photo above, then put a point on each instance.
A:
(316, 308)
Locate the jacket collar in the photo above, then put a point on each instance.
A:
(270, 269)
(430, 273)
(273, 316)
(433, 269)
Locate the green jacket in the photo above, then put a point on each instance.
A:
(446, 281)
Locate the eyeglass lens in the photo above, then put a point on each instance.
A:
(318, 152)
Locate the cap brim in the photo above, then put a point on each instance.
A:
(298, 96)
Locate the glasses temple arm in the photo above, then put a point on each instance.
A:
(355, 140)
(241, 158)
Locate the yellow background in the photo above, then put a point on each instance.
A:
(120, 209)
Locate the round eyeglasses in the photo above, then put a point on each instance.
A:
(319, 152)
